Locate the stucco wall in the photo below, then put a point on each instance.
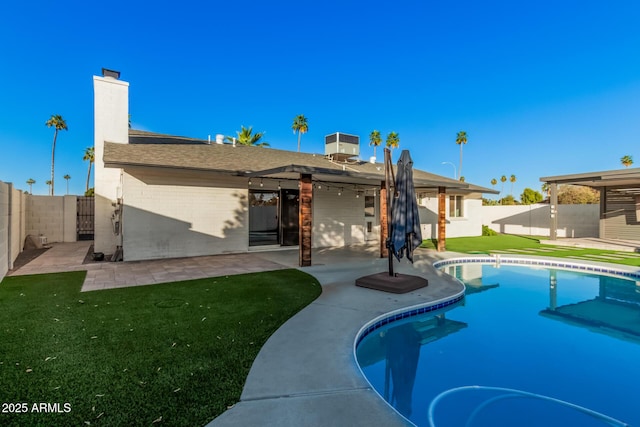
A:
(470, 224)
(53, 217)
(534, 220)
(179, 214)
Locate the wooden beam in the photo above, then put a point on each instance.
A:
(442, 219)
(305, 219)
(384, 230)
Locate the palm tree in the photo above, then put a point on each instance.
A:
(393, 140)
(546, 188)
(89, 154)
(67, 177)
(247, 137)
(57, 122)
(503, 179)
(626, 161)
(301, 126)
(512, 180)
(494, 182)
(375, 139)
(30, 182)
(461, 179)
(461, 138)
(49, 183)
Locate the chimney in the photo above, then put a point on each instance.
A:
(110, 73)
(219, 138)
(111, 124)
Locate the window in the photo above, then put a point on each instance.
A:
(369, 206)
(456, 207)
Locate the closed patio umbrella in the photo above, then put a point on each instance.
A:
(403, 225)
(405, 233)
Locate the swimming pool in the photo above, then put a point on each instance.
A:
(534, 338)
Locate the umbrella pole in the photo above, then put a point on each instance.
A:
(387, 172)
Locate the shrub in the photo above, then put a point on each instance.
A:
(486, 231)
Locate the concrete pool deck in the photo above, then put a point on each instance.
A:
(306, 373)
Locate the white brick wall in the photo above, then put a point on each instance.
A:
(111, 112)
(470, 224)
(338, 220)
(181, 214)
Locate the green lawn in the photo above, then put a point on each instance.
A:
(525, 245)
(176, 353)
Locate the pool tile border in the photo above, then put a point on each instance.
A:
(405, 313)
(499, 259)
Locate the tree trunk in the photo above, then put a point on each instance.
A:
(53, 155)
(299, 133)
(88, 176)
(460, 169)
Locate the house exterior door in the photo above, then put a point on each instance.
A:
(263, 218)
(289, 217)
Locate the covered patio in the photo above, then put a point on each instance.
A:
(311, 179)
(619, 201)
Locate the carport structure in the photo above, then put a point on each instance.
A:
(619, 201)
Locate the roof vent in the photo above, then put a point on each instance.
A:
(110, 73)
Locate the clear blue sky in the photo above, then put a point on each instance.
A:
(541, 87)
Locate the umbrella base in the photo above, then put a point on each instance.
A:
(398, 284)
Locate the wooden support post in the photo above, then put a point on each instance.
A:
(442, 219)
(305, 219)
(384, 230)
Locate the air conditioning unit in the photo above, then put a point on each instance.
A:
(341, 146)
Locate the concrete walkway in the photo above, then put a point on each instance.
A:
(104, 275)
(596, 243)
(306, 373)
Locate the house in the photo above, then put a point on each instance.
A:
(161, 196)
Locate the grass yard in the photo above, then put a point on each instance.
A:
(169, 354)
(526, 245)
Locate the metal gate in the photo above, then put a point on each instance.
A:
(85, 218)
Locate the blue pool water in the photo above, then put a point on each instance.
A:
(566, 335)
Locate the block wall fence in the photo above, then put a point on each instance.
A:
(52, 217)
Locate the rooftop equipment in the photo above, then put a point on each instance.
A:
(341, 146)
